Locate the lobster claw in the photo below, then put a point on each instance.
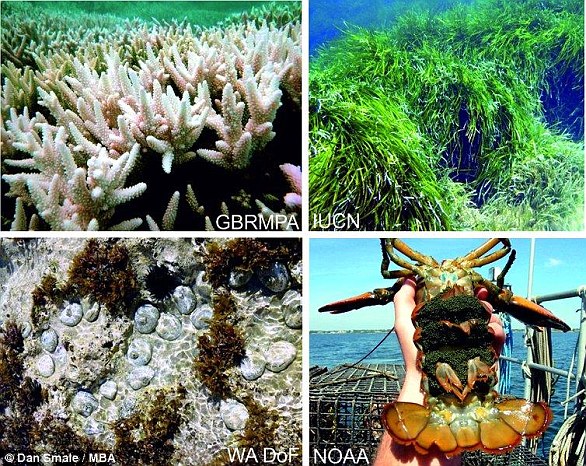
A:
(529, 312)
(379, 296)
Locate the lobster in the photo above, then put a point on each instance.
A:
(462, 410)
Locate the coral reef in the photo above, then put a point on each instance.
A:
(177, 125)
(185, 376)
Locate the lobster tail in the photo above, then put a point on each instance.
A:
(451, 426)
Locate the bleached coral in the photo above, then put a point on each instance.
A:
(103, 113)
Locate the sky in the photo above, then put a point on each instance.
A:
(344, 267)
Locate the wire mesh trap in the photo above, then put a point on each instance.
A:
(345, 406)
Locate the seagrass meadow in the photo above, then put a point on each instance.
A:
(466, 119)
(150, 115)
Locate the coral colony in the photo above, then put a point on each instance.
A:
(126, 125)
(199, 368)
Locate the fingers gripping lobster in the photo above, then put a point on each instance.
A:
(462, 411)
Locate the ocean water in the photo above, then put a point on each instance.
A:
(204, 13)
(328, 18)
(332, 349)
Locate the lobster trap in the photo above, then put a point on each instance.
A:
(345, 406)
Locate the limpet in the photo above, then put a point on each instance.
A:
(49, 340)
(280, 355)
(92, 314)
(46, 366)
(26, 329)
(169, 327)
(292, 312)
(184, 299)
(140, 377)
(71, 315)
(84, 403)
(139, 352)
(201, 316)
(252, 365)
(234, 414)
(275, 277)
(202, 287)
(146, 318)
(239, 277)
(109, 389)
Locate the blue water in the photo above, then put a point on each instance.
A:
(331, 349)
(327, 18)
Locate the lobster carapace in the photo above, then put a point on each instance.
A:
(462, 410)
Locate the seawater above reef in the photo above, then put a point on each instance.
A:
(464, 116)
(150, 115)
(148, 348)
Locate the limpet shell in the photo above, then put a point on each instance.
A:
(84, 403)
(292, 312)
(201, 316)
(146, 318)
(46, 366)
(252, 365)
(92, 314)
(71, 315)
(239, 277)
(234, 414)
(184, 299)
(49, 340)
(202, 287)
(169, 327)
(275, 277)
(280, 355)
(26, 329)
(140, 377)
(109, 389)
(139, 352)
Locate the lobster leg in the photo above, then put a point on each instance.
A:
(476, 258)
(379, 296)
(411, 253)
(389, 255)
(484, 248)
